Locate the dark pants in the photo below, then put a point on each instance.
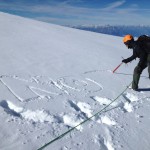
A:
(137, 72)
(136, 76)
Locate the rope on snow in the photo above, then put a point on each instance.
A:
(89, 118)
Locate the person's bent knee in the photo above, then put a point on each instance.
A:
(137, 70)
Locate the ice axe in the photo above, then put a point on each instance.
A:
(117, 67)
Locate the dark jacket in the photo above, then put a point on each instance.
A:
(140, 51)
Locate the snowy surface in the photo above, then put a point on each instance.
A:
(53, 78)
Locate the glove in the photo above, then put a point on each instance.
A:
(125, 61)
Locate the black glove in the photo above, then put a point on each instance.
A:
(125, 61)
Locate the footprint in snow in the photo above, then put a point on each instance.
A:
(84, 110)
(29, 115)
(106, 120)
(72, 120)
(130, 97)
(10, 108)
(100, 141)
(103, 101)
(73, 105)
(105, 143)
(128, 107)
(82, 107)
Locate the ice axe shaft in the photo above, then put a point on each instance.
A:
(117, 67)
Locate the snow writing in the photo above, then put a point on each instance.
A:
(44, 87)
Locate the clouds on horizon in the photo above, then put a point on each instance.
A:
(66, 12)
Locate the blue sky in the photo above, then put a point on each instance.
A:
(77, 12)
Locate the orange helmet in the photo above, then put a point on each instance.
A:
(127, 38)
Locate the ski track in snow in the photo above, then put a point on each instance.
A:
(46, 88)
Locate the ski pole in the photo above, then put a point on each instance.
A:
(117, 67)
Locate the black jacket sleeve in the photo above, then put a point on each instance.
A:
(131, 58)
(139, 52)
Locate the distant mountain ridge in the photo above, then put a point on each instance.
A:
(118, 30)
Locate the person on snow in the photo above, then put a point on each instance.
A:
(141, 50)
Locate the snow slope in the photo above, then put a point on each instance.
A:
(54, 77)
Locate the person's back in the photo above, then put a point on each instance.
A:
(144, 42)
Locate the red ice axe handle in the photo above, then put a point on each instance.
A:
(117, 67)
